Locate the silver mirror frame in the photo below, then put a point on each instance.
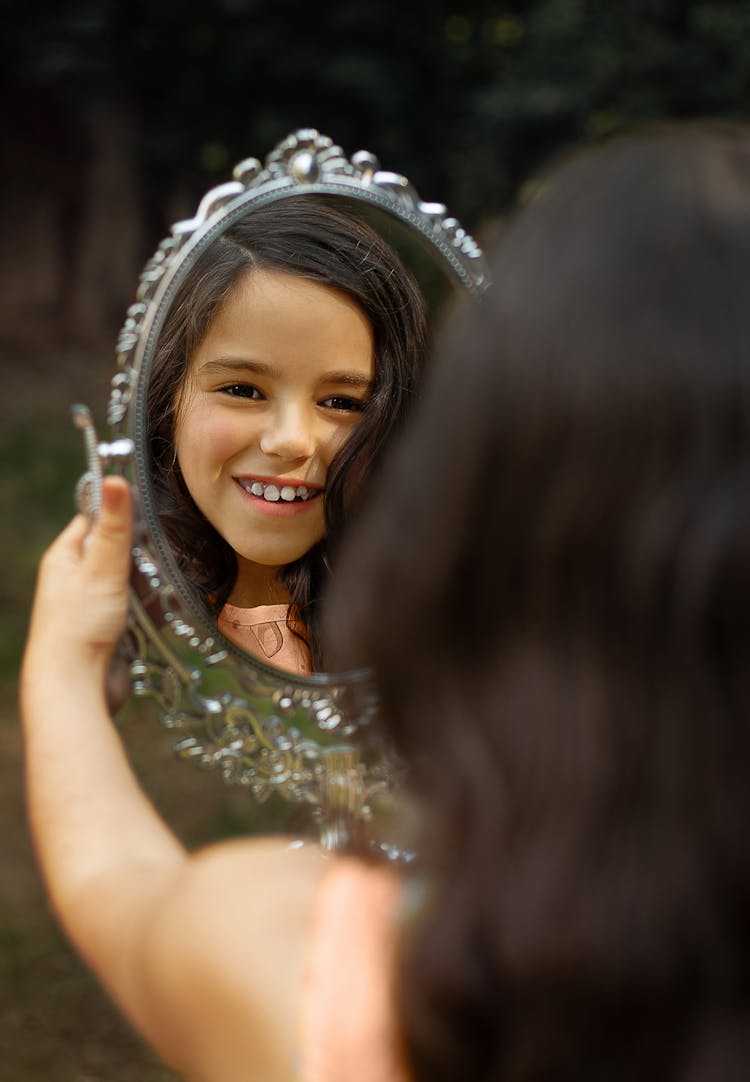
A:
(308, 739)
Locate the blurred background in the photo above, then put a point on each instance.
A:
(115, 118)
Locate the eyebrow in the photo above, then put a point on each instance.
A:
(259, 368)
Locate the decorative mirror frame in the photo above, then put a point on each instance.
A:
(307, 738)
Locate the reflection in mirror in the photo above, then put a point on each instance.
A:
(289, 356)
(275, 345)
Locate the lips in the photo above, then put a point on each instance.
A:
(279, 491)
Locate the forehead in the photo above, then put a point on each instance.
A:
(290, 324)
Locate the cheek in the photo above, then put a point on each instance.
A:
(315, 529)
(337, 440)
(206, 438)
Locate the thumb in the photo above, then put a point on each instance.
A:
(110, 540)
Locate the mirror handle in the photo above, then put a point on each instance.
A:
(88, 493)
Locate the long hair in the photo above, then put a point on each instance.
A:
(309, 237)
(553, 586)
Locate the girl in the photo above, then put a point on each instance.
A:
(553, 586)
(290, 356)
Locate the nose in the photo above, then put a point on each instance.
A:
(289, 433)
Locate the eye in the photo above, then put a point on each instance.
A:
(343, 404)
(241, 390)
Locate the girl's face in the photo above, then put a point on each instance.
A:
(271, 394)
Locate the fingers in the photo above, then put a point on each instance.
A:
(81, 600)
(68, 545)
(109, 535)
(110, 540)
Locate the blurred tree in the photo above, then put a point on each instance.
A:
(468, 100)
(540, 78)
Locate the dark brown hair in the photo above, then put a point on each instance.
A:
(554, 589)
(302, 235)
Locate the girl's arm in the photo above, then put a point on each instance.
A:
(204, 952)
(105, 854)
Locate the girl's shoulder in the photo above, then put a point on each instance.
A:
(225, 956)
(349, 1014)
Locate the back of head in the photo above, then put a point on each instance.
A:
(553, 588)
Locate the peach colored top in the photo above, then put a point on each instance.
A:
(349, 1028)
(262, 631)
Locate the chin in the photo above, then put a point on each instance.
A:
(276, 559)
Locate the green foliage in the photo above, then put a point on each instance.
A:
(41, 458)
(465, 99)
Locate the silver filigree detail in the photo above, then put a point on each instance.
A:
(306, 159)
(310, 741)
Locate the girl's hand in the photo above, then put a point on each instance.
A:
(81, 600)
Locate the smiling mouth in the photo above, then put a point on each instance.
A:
(278, 493)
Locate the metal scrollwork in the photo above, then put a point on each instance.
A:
(308, 739)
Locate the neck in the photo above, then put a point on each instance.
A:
(257, 585)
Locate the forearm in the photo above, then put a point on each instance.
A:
(90, 820)
(108, 860)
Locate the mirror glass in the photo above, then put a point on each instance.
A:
(289, 353)
(275, 345)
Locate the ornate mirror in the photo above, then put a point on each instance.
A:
(304, 737)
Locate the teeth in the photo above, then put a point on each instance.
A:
(274, 493)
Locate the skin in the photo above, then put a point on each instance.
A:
(272, 393)
(204, 952)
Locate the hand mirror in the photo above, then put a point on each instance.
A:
(305, 736)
